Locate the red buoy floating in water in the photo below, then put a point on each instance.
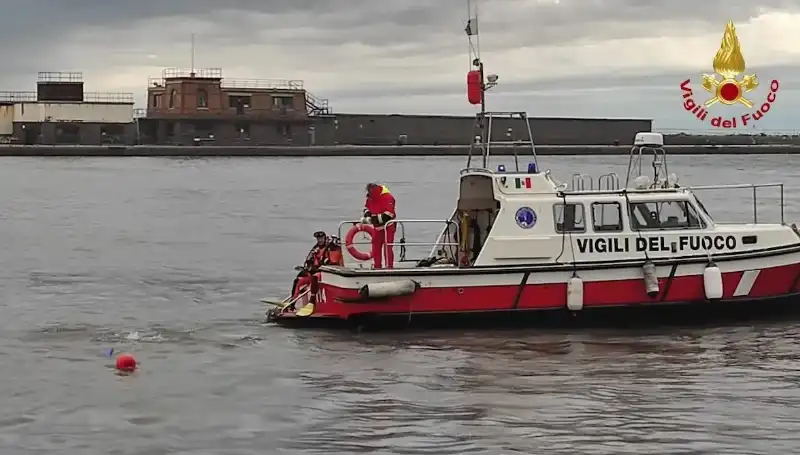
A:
(126, 363)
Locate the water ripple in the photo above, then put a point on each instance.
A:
(167, 258)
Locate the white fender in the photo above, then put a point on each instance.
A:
(712, 282)
(650, 279)
(388, 289)
(575, 294)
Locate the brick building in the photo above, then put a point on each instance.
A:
(200, 106)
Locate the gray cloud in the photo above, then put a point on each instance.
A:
(406, 33)
(653, 97)
(533, 23)
(670, 80)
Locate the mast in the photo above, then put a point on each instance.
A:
(476, 63)
(477, 81)
(474, 50)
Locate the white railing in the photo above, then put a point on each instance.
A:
(754, 187)
(242, 84)
(88, 97)
(60, 76)
(202, 73)
(264, 84)
(403, 244)
(582, 183)
(19, 97)
(108, 97)
(400, 238)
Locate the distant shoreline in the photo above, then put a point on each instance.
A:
(371, 151)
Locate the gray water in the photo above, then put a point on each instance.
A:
(167, 258)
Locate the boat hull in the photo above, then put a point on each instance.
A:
(752, 285)
(622, 317)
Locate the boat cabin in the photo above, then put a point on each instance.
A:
(530, 218)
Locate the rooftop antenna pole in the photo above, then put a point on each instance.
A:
(192, 73)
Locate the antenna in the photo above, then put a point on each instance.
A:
(474, 50)
(473, 30)
(192, 73)
(477, 34)
(478, 82)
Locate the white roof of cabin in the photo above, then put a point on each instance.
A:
(523, 183)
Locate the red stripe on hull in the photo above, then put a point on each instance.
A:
(776, 281)
(631, 292)
(771, 282)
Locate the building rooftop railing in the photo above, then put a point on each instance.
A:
(216, 73)
(60, 76)
(18, 97)
(243, 84)
(88, 97)
(263, 84)
(108, 97)
(208, 73)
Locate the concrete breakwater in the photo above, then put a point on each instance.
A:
(374, 151)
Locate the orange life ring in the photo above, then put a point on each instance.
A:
(348, 241)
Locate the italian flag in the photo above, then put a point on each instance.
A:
(523, 183)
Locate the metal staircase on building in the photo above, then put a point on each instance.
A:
(316, 106)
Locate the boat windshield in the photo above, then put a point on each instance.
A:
(664, 214)
(702, 207)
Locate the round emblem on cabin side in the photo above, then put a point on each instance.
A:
(526, 217)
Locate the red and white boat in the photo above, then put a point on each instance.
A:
(523, 243)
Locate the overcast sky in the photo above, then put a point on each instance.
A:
(587, 58)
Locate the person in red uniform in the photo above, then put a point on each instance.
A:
(378, 211)
(335, 252)
(319, 255)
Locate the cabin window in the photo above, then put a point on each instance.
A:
(569, 218)
(607, 217)
(173, 94)
(664, 215)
